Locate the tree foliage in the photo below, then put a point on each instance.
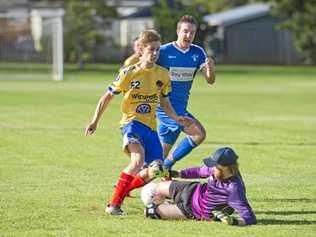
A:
(220, 5)
(84, 20)
(300, 19)
(166, 14)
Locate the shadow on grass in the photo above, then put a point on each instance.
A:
(305, 200)
(262, 143)
(284, 222)
(286, 213)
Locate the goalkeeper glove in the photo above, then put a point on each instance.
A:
(226, 219)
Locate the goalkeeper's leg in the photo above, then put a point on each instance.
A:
(154, 170)
(164, 211)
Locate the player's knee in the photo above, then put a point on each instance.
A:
(135, 166)
(151, 211)
(198, 135)
(198, 138)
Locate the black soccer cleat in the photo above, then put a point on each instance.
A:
(151, 211)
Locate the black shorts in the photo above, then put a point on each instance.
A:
(181, 192)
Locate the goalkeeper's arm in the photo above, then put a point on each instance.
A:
(174, 173)
(192, 173)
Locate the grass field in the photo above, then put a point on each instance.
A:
(54, 181)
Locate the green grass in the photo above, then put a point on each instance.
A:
(55, 182)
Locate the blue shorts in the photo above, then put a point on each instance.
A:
(169, 130)
(137, 132)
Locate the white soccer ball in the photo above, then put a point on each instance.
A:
(149, 194)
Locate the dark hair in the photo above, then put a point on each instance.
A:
(186, 19)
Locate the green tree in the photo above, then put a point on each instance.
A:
(166, 14)
(300, 19)
(220, 5)
(84, 20)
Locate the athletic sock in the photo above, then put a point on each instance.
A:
(182, 149)
(137, 182)
(168, 163)
(119, 192)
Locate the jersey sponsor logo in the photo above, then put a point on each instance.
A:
(172, 56)
(128, 69)
(148, 98)
(182, 73)
(143, 109)
(159, 84)
(135, 84)
(195, 57)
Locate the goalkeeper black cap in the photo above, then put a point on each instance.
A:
(224, 156)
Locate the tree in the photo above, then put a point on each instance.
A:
(84, 20)
(300, 19)
(166, 14)
(220, 5)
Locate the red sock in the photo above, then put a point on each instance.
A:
(136, 183)
(120, 190)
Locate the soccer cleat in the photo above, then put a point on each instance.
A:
(151, 211)
(156, 169)
(114, 210)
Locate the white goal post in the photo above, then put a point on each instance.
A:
(32, 38)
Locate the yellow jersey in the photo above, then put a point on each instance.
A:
(131, 60)
(142, 88)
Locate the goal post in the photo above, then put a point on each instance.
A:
(31, 42)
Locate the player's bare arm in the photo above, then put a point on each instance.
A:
(167, 107)
(209, 70)
(101, 106)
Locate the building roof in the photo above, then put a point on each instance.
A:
(238, 14)
(129, 3)
(142, 12)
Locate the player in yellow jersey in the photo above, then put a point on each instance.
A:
(144, 85)
(135, 57)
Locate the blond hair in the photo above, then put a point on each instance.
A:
(234, 169)
(186, 19)
(148, 36)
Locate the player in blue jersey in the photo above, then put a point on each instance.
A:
(183, 59)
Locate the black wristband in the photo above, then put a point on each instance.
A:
(235, 221)
(174, 173)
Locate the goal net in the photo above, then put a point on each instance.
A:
(31, 45)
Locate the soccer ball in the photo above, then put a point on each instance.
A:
(156, 169)
(149, 194)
